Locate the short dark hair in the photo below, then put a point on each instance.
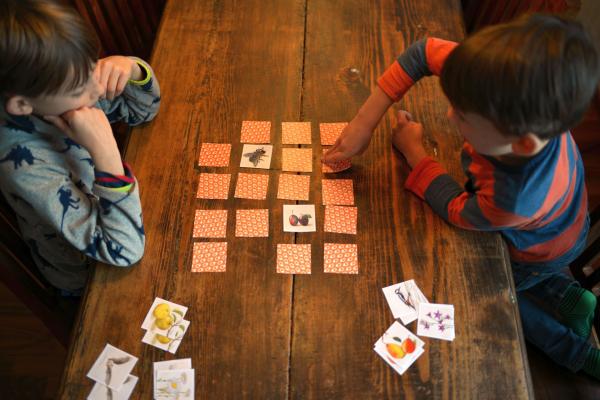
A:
(42, 43)
(536, 74)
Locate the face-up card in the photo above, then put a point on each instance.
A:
(297, 160)
(210, 223)
(299, 218)
(209, 257)
(252, 223)
(338, 192)
(330, 131)
(293, 258)
(169, 340)
(295, 133)
(256, 156)
(404, 299)
(436, 321)
(162, 313)
(256, 132)
(252, 186)
(112, 367)
(341, 219)
(213, 186)
(184, 363)
(340, 258)
(399, 347)
(293, 187)
(174, 385)
(336, 166)
(214, 154)
(102, 392)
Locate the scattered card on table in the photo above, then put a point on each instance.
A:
(252, 223)
(436, 321)
(299, 218)
(293, 187)
(162, 309)
(112, 367)
(214, 155)
(184, 363)
(338, 192)
(293, 258)
(336, 166)
(168, 340)
(256, 132)
(330, 131)
(210, 223)
(209, 257)
(102, 392)
(213, 186)
(174, 384)
(404, 299)
(256, 156)
(296, 160)
(295, 133)
(341, 219)
(340, 258)
(399, 347)
(252, 186)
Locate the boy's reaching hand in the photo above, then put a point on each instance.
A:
(353, 140)
(113, 73)
(407, 138)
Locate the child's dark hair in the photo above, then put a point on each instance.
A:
(45, 47)
(536, 74)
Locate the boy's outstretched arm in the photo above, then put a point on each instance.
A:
(430, 181)
(132, 93)
(423, 58)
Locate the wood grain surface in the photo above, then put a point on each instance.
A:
(258, 334)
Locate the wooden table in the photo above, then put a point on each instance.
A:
(258, 334)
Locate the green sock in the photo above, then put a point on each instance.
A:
(577, 308)
(591, 365)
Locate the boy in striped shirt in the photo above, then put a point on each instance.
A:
(515, 90)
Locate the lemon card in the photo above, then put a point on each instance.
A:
(163, 314)
(168, 340)
(399, 347)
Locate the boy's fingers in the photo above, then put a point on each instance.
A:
(123, 79)
(111, 84)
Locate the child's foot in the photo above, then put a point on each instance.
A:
(577, 309)
(591, 366)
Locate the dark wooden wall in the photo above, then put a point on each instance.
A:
(124, 26)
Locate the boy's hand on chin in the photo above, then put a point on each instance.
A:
(407, 138)
(113, 73)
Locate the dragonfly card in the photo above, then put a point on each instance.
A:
(112, 367)
(174, 384)
(299, 218)
(404, 299)
(399, 347)
(436, 321)
(103, 392)
(256, 156)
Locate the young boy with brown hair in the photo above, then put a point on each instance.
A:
(60, 167)
(515, 90)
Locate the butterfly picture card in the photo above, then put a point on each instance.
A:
(112, 367)
(436, 321)
(404, 299)
(399, 347)
(256, 156)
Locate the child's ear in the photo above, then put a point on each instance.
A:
(18, 105)
(528, 145)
